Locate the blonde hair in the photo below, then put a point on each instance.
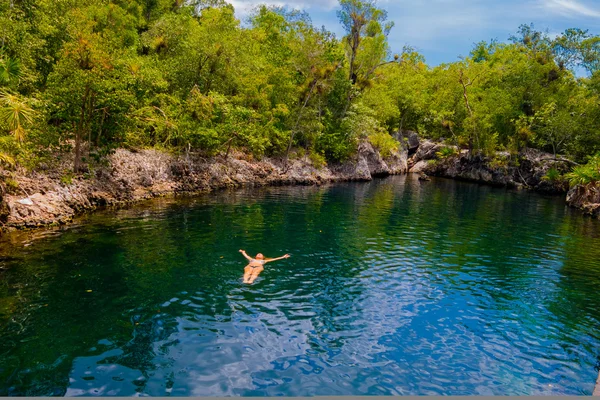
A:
(259, 256)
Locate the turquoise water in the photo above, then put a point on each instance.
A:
(394, 288)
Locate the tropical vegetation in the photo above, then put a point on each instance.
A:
(84, 77)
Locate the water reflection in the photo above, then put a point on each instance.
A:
(394, 287)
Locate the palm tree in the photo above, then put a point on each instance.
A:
(15, 114)
(10, 70)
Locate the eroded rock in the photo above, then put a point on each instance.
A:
(131, 176)
(585, 198)
(528, 169)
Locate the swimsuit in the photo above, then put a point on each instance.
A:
(261, 262)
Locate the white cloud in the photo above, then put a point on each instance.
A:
(572, 8)
(444, 29)
(242, 7)
(430, 25)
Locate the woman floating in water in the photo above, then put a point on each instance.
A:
(255, 267)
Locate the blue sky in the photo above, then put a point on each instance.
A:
(442, 30)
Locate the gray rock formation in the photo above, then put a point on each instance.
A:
(527, 169)
(585, 198)
(133, 176)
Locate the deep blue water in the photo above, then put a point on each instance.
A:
(394, 287)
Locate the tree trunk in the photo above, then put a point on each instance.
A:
(465, 85)
(101, 127)
(354, 42)
(88, 122)
(77, 164)
(306, 100)
(229, 144)
(79, 131)
(402, 122)
(228, 148)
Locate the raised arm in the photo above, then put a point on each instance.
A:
(245, 255)
(277, 259)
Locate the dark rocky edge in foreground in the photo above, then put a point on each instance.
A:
(46, 198)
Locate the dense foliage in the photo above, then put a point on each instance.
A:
(86, 77)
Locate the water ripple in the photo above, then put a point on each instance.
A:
(394, 288)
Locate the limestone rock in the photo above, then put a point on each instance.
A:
(419, 167)
(377, 166)
(585, 198)
(413, 140)
(135, 175)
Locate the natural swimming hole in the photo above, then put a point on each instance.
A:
(393, 287)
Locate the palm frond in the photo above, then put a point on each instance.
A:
(10, 70)
(15, 113)
(585, 174)
(6, 159)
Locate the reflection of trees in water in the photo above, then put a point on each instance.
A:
(67, 296)
(578, 304)
(465, 225)
(139, 352)
(165, 249)
(53, 306)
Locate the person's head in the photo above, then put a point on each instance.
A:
(259, 256)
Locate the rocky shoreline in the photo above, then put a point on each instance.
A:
(586, 199)
(527, 170)
(40, 199)
(45, 199)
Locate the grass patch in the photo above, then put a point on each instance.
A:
(67, 178)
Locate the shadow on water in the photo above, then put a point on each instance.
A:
(395, 287)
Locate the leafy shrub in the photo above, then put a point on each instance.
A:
(67, 178)
(553, 175)
(586, 174)
(446, 152)
(499, 162)
(383, 142)
(11, 185)
(317, 160)
(337, 146)
(340, 143)
(8, 148)
(298, 153)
